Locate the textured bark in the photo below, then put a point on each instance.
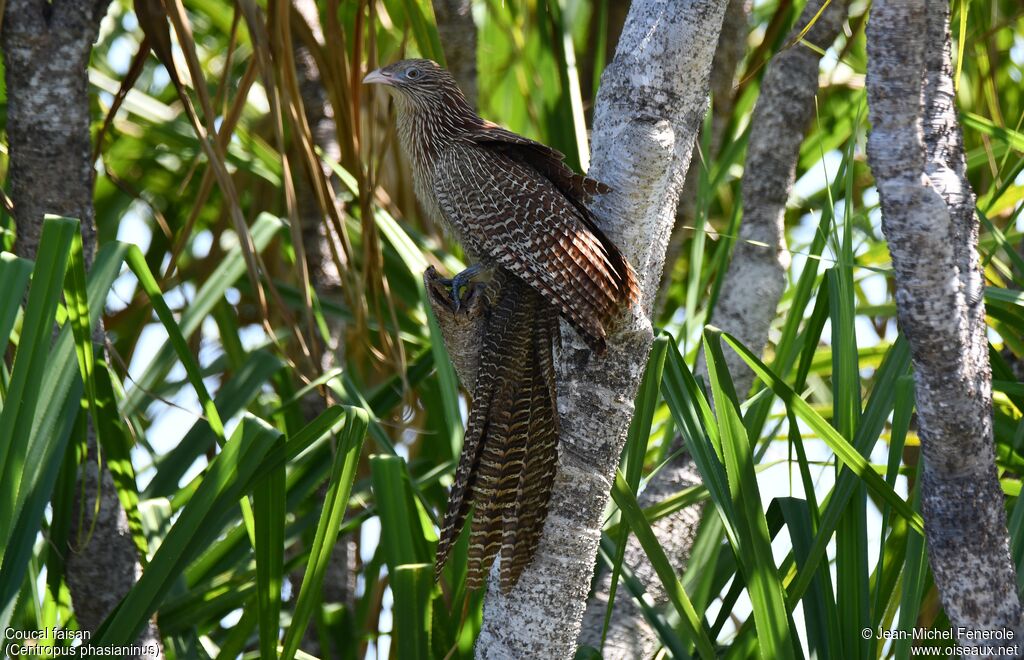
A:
(916, 153)
(731, 44)
(652, 100)
(46, 49)
(756, 276)
(629, 635)
(457, 31)
(46, 56)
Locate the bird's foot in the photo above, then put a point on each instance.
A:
(460, 281)
(469, 304)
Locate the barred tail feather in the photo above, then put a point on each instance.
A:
(509, 457)
(533, 489)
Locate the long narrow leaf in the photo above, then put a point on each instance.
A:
(14, 273)
(335, 503)
(227, 478)
(412, 585)
(843, 450)
(632, 514)
(269, 508)
(754, 552)
(52, 423)
(227, 274)
(30, 363)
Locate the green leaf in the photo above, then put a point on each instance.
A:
(225, 275)
(343, 472)
(820, 612)
(634, 452)
(449, 384)
(52, 422)
(634, 517)
(227, 478)
(673, 642)
(843, 450)
(116, 446)
(14, 273)
(406, 532)
(136, 260)
(692, 412)
(915, 572)
(876, 413)
(30, 364)
(269, 509)
(754, 551)
(412, 585)
(1013, 139)
(851, 531)
(424, 29)
(233, 396)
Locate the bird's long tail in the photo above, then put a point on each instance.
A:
(509, 455)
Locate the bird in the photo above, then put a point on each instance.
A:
(521, 214)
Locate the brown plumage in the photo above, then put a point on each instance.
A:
(518, 209)
(510, 449)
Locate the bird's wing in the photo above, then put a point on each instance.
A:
(579, 189)
(509, 213)
(549, 162)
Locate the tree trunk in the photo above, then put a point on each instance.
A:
(629, 635)
(731, 45)
(916, 153)
(46, 56)
(652, 100)
(756, 276)
(457, 31)
(46, 48)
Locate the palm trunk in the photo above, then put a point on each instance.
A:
(916, 153)
(46, 48)
(757, 271)
(652, 100)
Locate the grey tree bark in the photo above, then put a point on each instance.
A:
(46, 56)
(652, 100)
(629, 634)
(915, 150)
(732, 43)
(756, 276)
(46, 48)
(457, 31)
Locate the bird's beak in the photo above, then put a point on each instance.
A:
(377, 77)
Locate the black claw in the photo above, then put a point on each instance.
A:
(459, 282)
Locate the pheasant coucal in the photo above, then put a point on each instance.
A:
(519, 211)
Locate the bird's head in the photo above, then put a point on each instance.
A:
(419, 83)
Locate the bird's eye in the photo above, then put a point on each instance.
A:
(412, 74)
